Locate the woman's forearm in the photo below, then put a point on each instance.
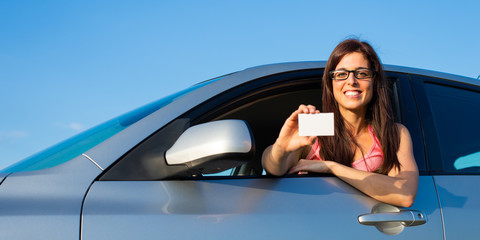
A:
(277, 161)
(398, 190)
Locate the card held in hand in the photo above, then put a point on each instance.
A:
(319, 124)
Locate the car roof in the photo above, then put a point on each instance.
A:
(387, 67)
(431, 73)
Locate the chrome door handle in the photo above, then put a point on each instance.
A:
(405, 217)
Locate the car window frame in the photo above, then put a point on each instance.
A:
(409, 116)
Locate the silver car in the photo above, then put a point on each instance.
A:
(188, 167)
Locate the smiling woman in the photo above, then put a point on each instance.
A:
(352, 93)
(369, 150)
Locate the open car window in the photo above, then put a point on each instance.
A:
(264, 104)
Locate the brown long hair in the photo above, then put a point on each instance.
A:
(379, 114)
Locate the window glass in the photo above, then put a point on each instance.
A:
(73, 147)
(455, 112)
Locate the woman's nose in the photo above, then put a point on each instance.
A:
(351, 80)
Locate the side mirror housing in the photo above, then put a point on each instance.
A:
(212, 147)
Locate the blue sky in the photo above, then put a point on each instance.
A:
(66, 66)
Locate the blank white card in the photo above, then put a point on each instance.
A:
(319, 124)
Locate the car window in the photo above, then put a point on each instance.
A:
(78, 144)
(266, 117)
(263, 103)
(455, 113)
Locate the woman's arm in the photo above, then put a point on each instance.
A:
(288, 147)
(397, 188)
(277, 161)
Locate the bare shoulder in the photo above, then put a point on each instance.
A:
(403, 131)
(401, 127)
(405, 153)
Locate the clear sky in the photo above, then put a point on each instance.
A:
(66, 66)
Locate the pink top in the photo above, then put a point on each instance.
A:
(369, 163)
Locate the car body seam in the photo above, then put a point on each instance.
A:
(440, 207)
(82, 209)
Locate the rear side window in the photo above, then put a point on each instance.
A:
(456, 115)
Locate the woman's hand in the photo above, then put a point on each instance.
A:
(304, 166)
(287, 149)
(288, 139)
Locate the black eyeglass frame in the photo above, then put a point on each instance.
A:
(355, 72)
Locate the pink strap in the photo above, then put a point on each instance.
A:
(314, 153)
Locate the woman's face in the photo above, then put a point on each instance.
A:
(353, 94)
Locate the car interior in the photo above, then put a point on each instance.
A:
(266, 117)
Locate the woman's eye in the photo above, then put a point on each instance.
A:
(341, 75)
(362, 74)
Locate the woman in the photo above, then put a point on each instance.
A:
(369, 150)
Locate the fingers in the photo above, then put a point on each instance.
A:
(308, 109)
(306, 141)
(304, 165)
(298, 168)
(303, 109)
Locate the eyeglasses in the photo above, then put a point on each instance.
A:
(361, 73)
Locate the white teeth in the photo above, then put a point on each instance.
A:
(351, 93)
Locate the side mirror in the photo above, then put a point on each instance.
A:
(213, 147)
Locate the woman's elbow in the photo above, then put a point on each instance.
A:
(407, 192)
(275, 172)
(406, 201)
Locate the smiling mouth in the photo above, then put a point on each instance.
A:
(352, 93)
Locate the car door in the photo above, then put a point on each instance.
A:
(244, 203)
(450, 110)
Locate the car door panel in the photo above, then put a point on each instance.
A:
(459, 197)
(254, 208)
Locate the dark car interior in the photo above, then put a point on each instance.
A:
(266, 117)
